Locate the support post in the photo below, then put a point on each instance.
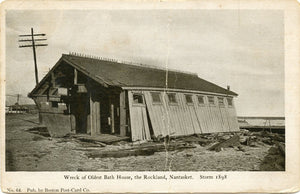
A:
(112, 116)
(122, 114)
(95, 121)
(75, 76)
(53, 79)
(92, 123)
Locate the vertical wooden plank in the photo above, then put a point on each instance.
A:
(132, 121)
(98, 119)
(153, 111)
(122, 114)
(232, 118)
(193, 111)
(92, 115)
(112, 116)
(88, 125)
(225, 118)
(217, 116)
(146, 131)
(138, 120)
(94, 125)
(75, 76)
(172, 117)
(177, 116)
(212, 118)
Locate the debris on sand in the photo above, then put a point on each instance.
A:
(40, 130)
(275, 160)
(142, 150)
(195, 139)
(231, 142)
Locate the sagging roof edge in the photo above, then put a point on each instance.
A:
(178, 90)
(31, 94)
(44, 78)
(103, 83)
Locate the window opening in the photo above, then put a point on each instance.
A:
(229, 100)
(211, 100)
(201, 99)
(138, 99)
(172, 98)
(221, 101)
(188, 99)
(156, 97)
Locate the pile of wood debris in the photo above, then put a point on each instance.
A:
(113, 146)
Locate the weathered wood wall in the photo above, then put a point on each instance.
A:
(94, 116)
(58, 123)
(183, 118)
(138, 119)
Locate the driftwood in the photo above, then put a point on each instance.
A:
(195, 139)
(103, 138)
(121, 153)
(92, 141)
(233, 141)
(145, 150)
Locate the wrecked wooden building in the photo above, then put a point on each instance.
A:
(95, 96)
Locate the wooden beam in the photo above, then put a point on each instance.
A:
(112, 116)
(122, 114)
(75, 76)
(98, 117)
(92, 124)
(53, 79)
(95, 121)
(46, 86)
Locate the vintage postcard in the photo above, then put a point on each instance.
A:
(150, 96)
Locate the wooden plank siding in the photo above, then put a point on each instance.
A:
(94, 117)
(123, 124)
(183, 118)
(232, 117)
(157, 113)
(138, 120)
(190, 114)
(202, 115)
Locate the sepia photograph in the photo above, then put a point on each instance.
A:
(155, 90)
(139, 92)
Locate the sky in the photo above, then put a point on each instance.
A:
(240, 48)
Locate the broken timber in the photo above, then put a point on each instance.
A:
(233, 141)
(103, 139)
(139, 151)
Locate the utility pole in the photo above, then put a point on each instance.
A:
(33, 45)
(16, 95)
(18, 98)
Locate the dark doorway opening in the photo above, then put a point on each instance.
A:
(80, 108)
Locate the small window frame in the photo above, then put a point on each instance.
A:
(175, 97)
(209, 102)
(221, 101)
(159, 96)
(228, 99)
(203, 100)
(138, 103)
(190, 96)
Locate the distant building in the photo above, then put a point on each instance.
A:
(16, 109)
(97, 96)
(20, 109)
